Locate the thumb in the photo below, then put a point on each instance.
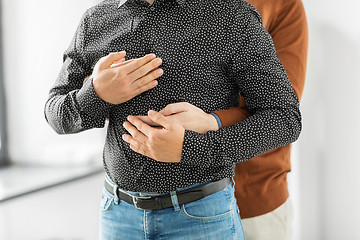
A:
(159, 118)
(174, 108)
(107, 61)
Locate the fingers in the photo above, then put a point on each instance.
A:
(140, 125)
(177, 118)
(160, 119)
(175, 108)
(148, 78)
(145, 88)
(135, 133)
(135, 145)
(148, 121)
(145, 69)
(107, 61)
(120, 62)
(139, 62)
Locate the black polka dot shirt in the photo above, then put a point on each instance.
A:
(211, 50)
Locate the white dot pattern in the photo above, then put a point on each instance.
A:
(211, 50)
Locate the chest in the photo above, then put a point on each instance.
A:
(179, 37)
(195, 50)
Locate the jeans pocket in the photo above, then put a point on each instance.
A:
(107, 200)
(214, 207)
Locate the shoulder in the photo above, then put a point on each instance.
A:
(289, 9)
(103, 5)
(294, 8)
(243, 8)
(224, 8)
(99, 14)
(101, 9)
(290, 15)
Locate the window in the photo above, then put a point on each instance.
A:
(3, 142)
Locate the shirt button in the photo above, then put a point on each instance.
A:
(147, 50)
(152, 8)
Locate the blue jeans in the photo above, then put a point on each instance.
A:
(214, 217)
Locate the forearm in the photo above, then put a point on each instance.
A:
(254, 135)
(73, 107)
(77, 110)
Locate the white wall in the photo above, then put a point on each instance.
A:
(327, 166)
(36, 33)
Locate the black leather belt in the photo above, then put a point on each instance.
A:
(164, 201)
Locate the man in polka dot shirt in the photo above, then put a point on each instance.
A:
(208, 52)
(261, 183)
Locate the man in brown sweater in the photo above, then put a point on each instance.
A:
(261, 183)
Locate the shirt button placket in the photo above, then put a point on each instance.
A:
(148, 48)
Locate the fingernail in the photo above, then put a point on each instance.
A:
(160, 71)
(151, 112)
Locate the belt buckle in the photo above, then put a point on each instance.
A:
(135, 200)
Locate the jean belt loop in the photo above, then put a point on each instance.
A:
(233, 182)
(175, 201)
(116, 198)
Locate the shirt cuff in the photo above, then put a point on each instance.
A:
(196, 150)
(217, 119)
(90, 103)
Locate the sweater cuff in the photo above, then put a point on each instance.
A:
(90, 103)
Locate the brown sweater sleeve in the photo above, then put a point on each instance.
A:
(289, 31)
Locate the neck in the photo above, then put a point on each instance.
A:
(150, 1)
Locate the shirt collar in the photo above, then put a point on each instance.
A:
(180, 2)
(121, 2)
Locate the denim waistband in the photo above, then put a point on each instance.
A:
(152, 194)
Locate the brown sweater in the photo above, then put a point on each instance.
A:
(261, 184)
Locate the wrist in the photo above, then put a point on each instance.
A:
(89, 102)
(99, 90)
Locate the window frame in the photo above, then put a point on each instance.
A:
(4, 160)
